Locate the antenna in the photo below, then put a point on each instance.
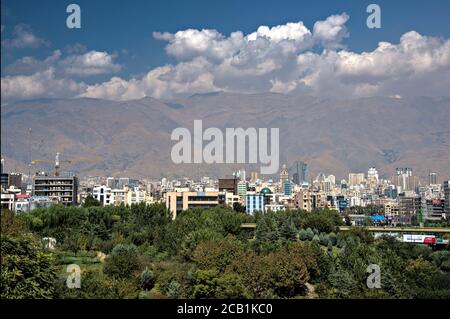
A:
(29, 155)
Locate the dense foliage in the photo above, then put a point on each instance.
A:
(140, 252)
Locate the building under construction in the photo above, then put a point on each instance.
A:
(65, 188)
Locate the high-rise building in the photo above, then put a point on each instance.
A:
(304, 174)
(240, 175)
(284, 174)
(242, 188)
(287, 188)
(432, 178)
(404, 171)
(123, 181)
(405, 180)
(447, 198)
(372, 178)
(331, 179)
(254, 177)
(355, 179)
(111, 182)
(296, 179)
(65, 188)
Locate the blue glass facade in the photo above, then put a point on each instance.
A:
(254, 203)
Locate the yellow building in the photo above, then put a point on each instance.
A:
(179, 201)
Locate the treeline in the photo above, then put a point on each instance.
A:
(140, 252)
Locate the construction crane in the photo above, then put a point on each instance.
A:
(57, 162)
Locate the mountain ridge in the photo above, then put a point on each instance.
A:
(133, 137)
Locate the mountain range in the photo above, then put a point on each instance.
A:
(132, 138)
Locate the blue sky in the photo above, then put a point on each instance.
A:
(124, 29)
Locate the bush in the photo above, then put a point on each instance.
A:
(323, 239)
(333, 238)
(309, 234)
(147, 279)
(122, 262)
(26, 270)
(302, 234)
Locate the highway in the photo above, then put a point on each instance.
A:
(440, 230)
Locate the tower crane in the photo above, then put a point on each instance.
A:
(57, 162)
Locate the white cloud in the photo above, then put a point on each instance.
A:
(23, 38)
(85, 64)
(286, 58)
(180, 79)
(191, 43)
(90, 63)
(39, 85)
(332, 31)
(290, 31)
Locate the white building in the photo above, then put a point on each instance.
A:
(104, 195)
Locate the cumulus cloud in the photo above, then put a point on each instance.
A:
(287, 58)
(332, 31)
(23, 37)
(90, 63)
(290, 31)
(85, 64)
(39, 85)
(291, 59)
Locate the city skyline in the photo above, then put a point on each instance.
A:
(248, 154)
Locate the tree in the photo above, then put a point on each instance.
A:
(254, 272)
(174, 290)
(10, 224)
(343, 284)
(288, 272)
(238, 207)
(205, 283)
(309, 234)
(90, 201)
(27, 271)
(217, 254)
(209, 284)
(441, 259)
(333, 239)
(268, 235)
(330, 247)
(122, 262)
(288, 231)
(323, 239)
(323, 220)
(302, 234)
(231, 286)
(147, 279)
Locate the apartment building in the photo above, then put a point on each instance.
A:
(65, 188)
(176, 202)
